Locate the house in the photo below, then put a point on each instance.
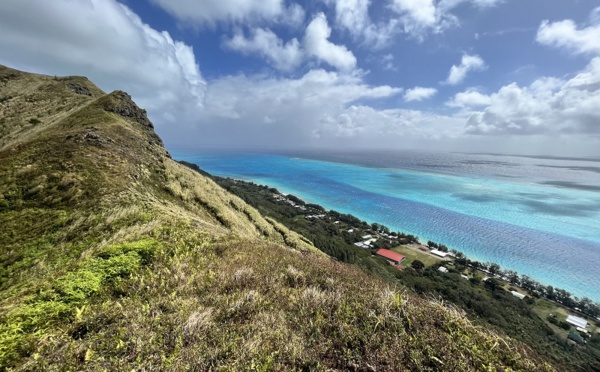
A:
(582, 330)
(439, 253)
(393, 257)
(365, 237)
(576, 321)
(518, 295)
(443, 269)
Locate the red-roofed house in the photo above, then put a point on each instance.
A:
(393, 257)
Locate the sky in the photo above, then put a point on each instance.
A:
(508, 76)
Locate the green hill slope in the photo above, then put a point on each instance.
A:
(115, 257)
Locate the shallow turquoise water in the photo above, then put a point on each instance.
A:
(508, 212)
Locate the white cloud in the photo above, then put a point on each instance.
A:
(468, 63)
(294, 15)
(290, 55)
(419, 17)
(419, 94)
(364, 126)
(317, 44)
(353, 16)
(279, 112)
(213, 11)
(548, 105)
(285, 57)
(450, 4)
(469, 98)
(108, 43)
(566, 35)
(388, 62)
(419, 13)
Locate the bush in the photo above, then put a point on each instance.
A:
(34, 121)
(564, 325)
(417, 265)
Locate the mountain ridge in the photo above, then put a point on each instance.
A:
(116, 257)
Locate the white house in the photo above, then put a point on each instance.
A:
(439, 253)
(518, 295)
(577, 321)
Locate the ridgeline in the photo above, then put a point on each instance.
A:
(115, 257)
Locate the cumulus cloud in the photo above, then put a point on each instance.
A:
(214, 11)
(288, 56)
(418, 13)
(421, 16)
(566, 35)
(294, 15)
(548, 105)
(468, 99)
(317, 45)
(419, 94)
(285, 57)
(415, 18)
(468, 63)
(353, 16)
(108, 43)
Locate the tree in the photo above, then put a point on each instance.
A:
(475, 280)
(549, 292)
(461, 259)
(512, 276)
(417, 265)
(493, 269)
(492, 284)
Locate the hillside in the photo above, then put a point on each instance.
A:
(115, 257)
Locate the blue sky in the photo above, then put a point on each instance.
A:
(458, 75)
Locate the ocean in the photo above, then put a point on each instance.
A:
(538, 215)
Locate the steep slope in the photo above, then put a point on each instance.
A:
(115, 257)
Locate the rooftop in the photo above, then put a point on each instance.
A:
(393, 256)
(577, 321)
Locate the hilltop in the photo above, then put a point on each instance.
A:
(115, 257)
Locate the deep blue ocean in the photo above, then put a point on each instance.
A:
(539, 216)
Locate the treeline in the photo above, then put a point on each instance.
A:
(583, 305)
(535, 288)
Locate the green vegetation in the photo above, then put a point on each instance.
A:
(115, 257)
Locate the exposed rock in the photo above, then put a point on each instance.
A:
(79, 89)
(123, 105)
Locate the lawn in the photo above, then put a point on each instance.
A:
(413, 253)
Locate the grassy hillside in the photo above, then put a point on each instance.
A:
(115, 257)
